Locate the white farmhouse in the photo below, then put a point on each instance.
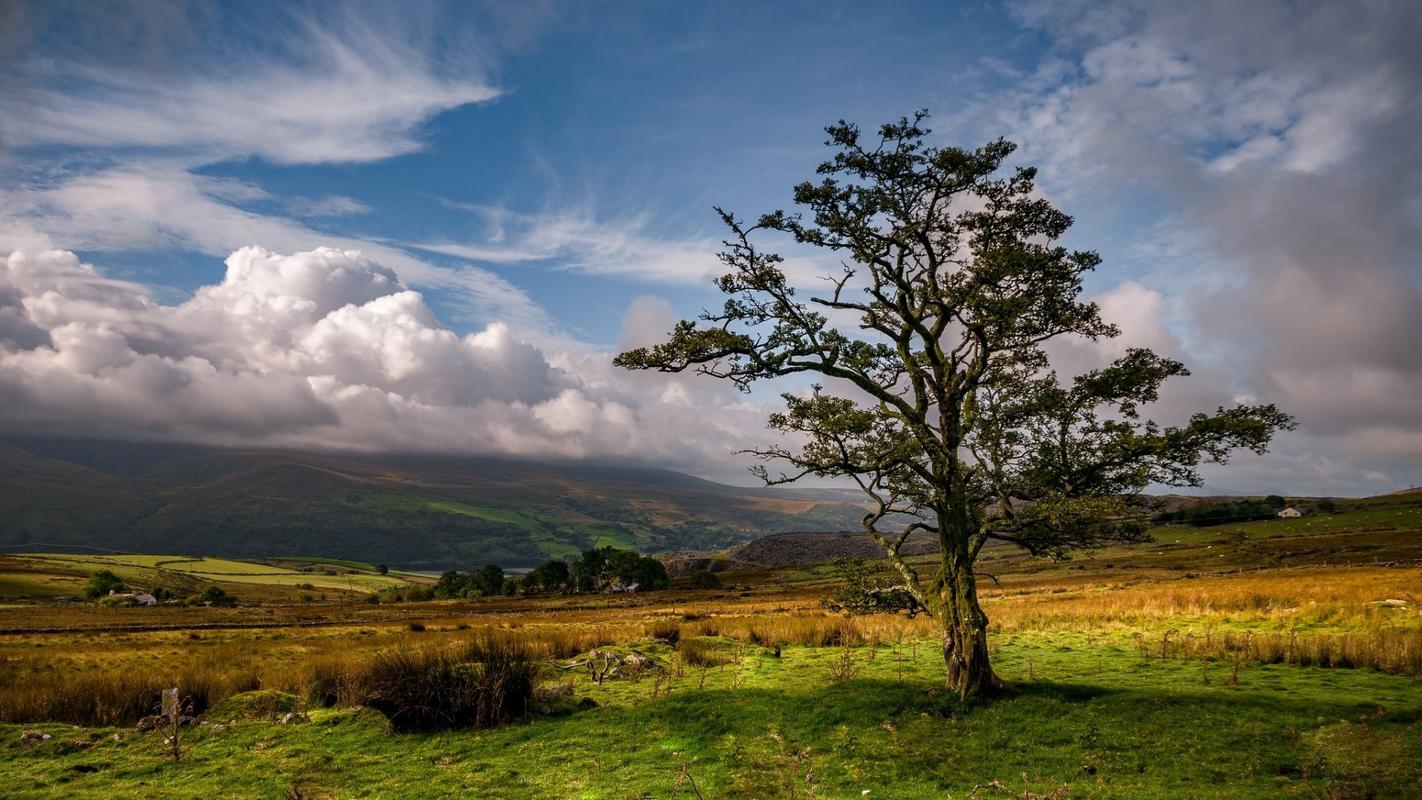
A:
(1289, 513)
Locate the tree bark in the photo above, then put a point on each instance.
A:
(965, 648)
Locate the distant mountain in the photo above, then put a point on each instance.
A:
(415, 512)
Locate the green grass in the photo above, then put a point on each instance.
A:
(1101, 720)
(490, 513)
(556, 533)
(1351, 521)
(300, 561)
(146, 570)
(399, 503)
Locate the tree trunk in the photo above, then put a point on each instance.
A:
(965, 648)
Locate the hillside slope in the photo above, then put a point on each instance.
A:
(414, 512)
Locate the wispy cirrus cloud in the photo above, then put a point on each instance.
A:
(321, 90)
(629, 246)
(109, 152)
(578, 240)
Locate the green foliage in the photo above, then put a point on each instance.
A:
(451, 584)
(101, 583)
(940, 403)
(1206, 515)
(861, 591)
(552, 575)
(600, 567)
(213, 595)
(487, 581)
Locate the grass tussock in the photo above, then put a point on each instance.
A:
(481, 683)
(115, 697)
(1392, 650)
(808, 629)
(668, 631)
(704, 652)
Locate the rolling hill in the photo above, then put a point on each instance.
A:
(415, 512)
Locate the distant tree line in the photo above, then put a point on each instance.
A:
(596, 570)
(1208, 514)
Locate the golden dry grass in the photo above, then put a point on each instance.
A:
(88, 665)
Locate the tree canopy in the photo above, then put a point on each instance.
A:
(101, 583)
(935, 391)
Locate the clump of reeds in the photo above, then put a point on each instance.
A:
(666, 630)
(1385, 649)
(702, 652)
(115, 697)
(481, 683)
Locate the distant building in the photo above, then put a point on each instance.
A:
(133, 598)
(1289, 513)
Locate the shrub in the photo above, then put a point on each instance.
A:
(214, 595)
(101, 583)
(477, 684)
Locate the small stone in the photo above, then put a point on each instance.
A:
(33, 738)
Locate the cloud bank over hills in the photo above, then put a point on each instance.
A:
(324, 349)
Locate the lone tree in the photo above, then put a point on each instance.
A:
(947, 412)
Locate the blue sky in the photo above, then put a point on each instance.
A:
(644, 118)
(542, 177)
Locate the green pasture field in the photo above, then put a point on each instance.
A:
(547, 531)
(1117, 690)
(1084, 722)
(1360, 520)
(148, 570)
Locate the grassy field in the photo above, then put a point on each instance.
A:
(52, 575)
(1271, 659)
(553, 532)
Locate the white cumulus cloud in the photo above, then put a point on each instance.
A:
(329, 349)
